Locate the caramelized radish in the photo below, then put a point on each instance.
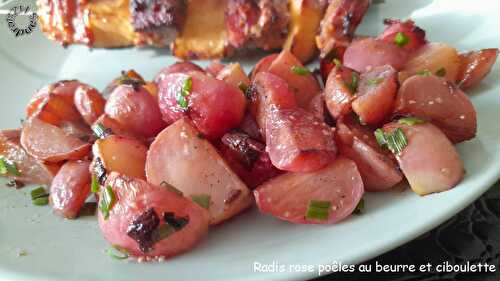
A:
(435, 58)
(179, 157)
(135, 198)
(214, 68)
(263, 65)
(302, 83)
(475, 66)
(113, 127)
(214, 106)
(365, 54)
(288, 196)
(31, 169)
(70, 188)
(439, 101)
(376, 94)
(50, 143)
(178, 67)
(135, 110)
(414, 35)
(339, 91)
(123, 155)
(429, 161)
(298, 142)
(89, 103)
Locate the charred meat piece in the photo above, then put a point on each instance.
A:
(157, 21)
(260, 23)
(339, 23)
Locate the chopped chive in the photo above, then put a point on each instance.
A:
(202, 199)
(300, 70)
(441, 72)
(396, 141)
(41, 201)
(94, 186)
(318, 209)
(380, 137)
(360, 208)
(8, 167)
(88, 209)
(424, 72)
(375, 81)
(187, 86)
(171, 188)
(401, 39)
(243, 87)
(100, 131)
(38, 193)
(122, 256)
(182, 102)
(337, 62)
(107, 201)
(410, 121)
(353, 85)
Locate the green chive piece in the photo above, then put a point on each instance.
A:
(396, 141)
(401, 39)
(41, 201)
(202, 199)
(410, 121)
(441, 72)
(187, 86)
(107, 201)
(94, 186)
(375, 81)
(38, 193)
(123, 254)
(182, 102)
(337, 62)
(88, 209)
(162, 232)
(353, 84)
(100, 131)
(360, 208)
(318, 209)
(380, 137)
(243, 87)
(8, 167)
(171, 188)
(424, 72)
(300, 70)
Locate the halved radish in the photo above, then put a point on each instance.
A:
(475, 66)
(376, 94)
(178, 67)
(135, 109)
(434, 58)
(233, 74)
(363, 55)
(70, 188)
(429, 161)
(174, 225)
(300, 81)
(404, 34)
(214, 105)
(111, 126)
(123, 155)
(214, 68)
(339, 91)
(289, 197)
(263, 65)
(440, 102)
(89, 103)
(31, 169)
(271, 93)
(183, 159)
(298, 142)
(50, 143)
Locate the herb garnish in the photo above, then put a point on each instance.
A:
(8, 167)
(318, 209)
(39, 196)
(107, 202)
(202, 199)
(100, 131)
(395, 141)
(171, 188)
(94, 186)
(375, 81)
(185, 91)
(243, 87)
(401, 39)
(122, 256)
(441, 72)
(360, 208)
(410, 121)
(353, 84)
(337, 62)
(424, 72)
(300, 70)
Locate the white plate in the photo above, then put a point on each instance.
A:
(59, 250)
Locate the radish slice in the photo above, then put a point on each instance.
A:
(363, 55)
(475, 66)
(288, 196)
